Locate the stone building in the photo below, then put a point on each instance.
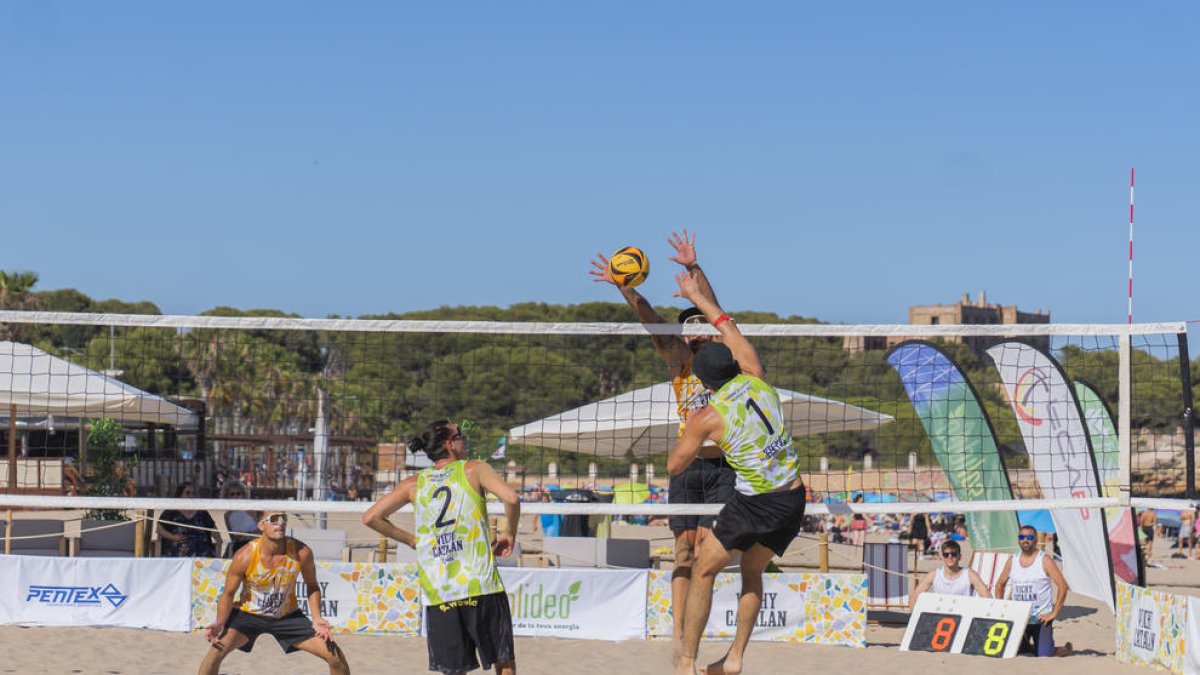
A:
(963, 312)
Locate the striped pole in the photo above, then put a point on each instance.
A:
(1131, 245)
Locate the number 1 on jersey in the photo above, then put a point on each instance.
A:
(752, 404)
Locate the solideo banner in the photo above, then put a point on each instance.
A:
(1052, 426)
(587, 604)
(130, 592)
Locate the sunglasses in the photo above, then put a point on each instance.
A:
(1026, 537)
(277, 518)
(950, 554)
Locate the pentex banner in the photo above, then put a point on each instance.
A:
(1122, 538)
(1051, 423)
(128, 592)
(961, 435)
(597, 604)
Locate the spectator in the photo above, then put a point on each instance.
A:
(1034, 576)
(918, 533)
(72, 479)
(128, 485)
(242, 525)
(551, 523)
(858, 525)
(1148, 520)
(186, 533)
(951, 578)
(1187, 527)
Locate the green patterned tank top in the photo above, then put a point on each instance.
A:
(756, 441)
(454, 552)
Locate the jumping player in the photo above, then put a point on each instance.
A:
(466, 607)
(708, 480)
(744, 417)
(266, 570)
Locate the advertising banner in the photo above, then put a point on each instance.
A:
(1151, 627)
(128, 592)
(1060, 453)
(1191, 646)
(962, 438)
(1122, 538)
(826, 609)
(355, 597)
(590, 604)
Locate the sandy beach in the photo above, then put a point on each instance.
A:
(1084, 622)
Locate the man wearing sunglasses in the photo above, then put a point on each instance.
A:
(266, 571)
(951, 578)
(709, 479)
(1032, 573)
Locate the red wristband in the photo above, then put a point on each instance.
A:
(720, 320)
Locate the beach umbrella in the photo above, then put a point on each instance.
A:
(645, 422)
(1039, 519)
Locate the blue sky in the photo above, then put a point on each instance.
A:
(837, 160)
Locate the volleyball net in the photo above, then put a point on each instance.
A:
(313, 412)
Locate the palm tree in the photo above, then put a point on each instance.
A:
(14, 294)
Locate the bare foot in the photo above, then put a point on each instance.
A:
(1065, 650)
(724, 666)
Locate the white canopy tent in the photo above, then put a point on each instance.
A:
(35, 383)
(645, 421)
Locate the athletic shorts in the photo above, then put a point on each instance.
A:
(1148, 531)
(288, 631)
(1038, 639)
(456, 630)
(772, 519)
(704, 481)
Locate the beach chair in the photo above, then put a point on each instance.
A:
(886, 567)
(104, 539)
(988, 565)
(37, 537)
(326, 545)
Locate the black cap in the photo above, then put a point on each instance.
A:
(689, 313)
(714, 365)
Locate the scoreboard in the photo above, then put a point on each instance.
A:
(957, 624)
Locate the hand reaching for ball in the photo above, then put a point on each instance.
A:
(602, 272)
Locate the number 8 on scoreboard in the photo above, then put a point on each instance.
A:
(937, 625)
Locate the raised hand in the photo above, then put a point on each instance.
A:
(601, 271)
(685, 248)
(688, 287)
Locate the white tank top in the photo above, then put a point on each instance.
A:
(960, 585)
(1031, 584)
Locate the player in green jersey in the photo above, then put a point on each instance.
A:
(466, 608)
(744, 417)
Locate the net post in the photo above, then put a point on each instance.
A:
(381, 551)
(823, 551)
(139, 534)
(1124, 430)
(1189, 419)
(8, 528)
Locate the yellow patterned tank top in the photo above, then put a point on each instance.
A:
(690, 395)
(756, 440)
(454, 551)
(270, 591)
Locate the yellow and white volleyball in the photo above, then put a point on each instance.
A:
(629, 266)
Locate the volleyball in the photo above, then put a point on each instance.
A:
(629, 266)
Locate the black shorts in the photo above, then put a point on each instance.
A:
(772, 519)
(704, 481)
(456, 630)
(288, 630)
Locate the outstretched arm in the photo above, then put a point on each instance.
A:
(743, 352)
(376, 517)
(672, 348)
(308, 570)
(685, 254)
